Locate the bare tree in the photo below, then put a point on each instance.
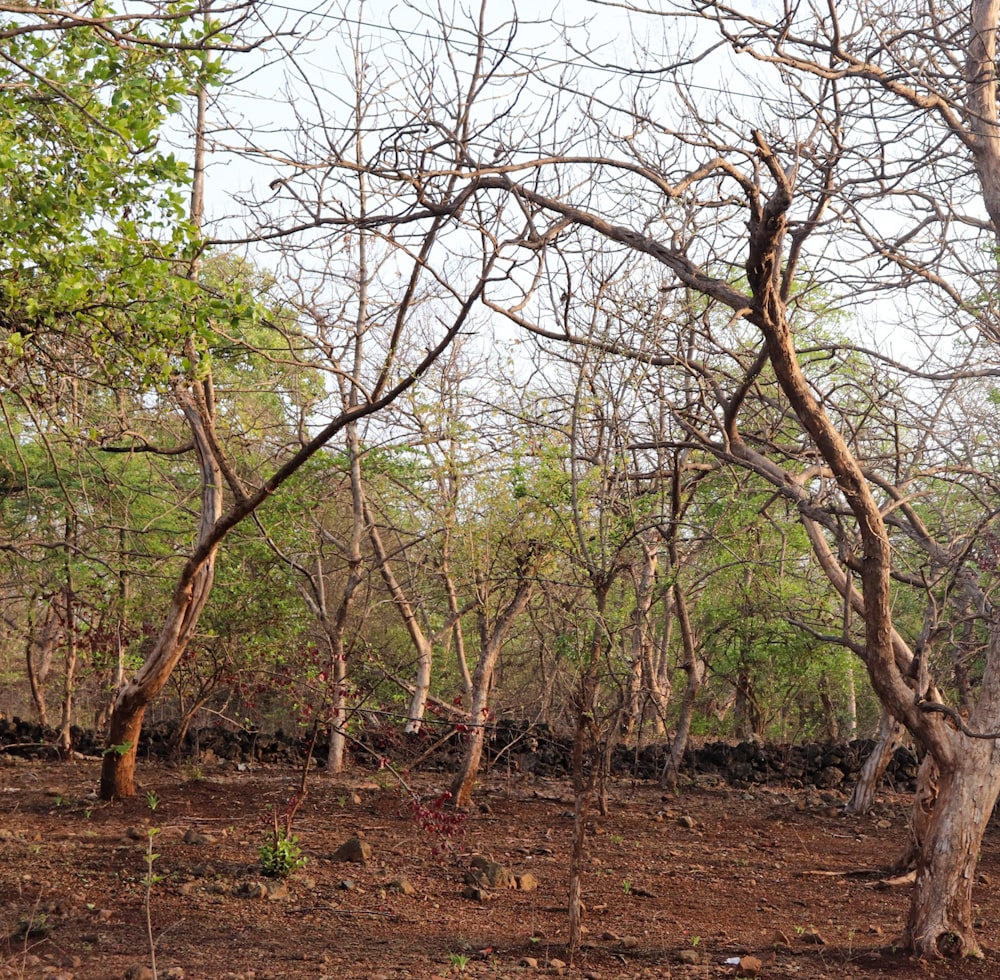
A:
(801, 186)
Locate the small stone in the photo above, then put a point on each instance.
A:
(135, 833)
(829, 777)
(189, 888)
(690, 957)
(630, 942)
(490, 874)
(174, 973)
(347, 885)
(556, 964)
(812, 937)
(686, 822)
(528, 962)
(750, 966)
(138, 972)
(983, 879)
(276, 890)
(402, 886)
(192, 836)
(527, 882)
(475, 894)
(353, 851)
(249, 889)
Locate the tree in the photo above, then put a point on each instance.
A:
(742, 213)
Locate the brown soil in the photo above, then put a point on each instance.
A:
(778, 875)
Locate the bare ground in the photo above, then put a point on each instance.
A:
(714, 876)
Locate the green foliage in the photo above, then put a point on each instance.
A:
(280, 854)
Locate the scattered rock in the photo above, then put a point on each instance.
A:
(811, 936)
(528, 962)
(249, 889)
(687, 822)
(196, 837)
(353, 851)
(402, 886)
(277, 890)
(475, 894)
(829, 777)
(527, 882)
(138, 972)
(750, 966)
(490, 874)
(135, 833)
(630, 942)
(690, 957)
(347, 885)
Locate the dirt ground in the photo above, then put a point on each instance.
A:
(677, 886)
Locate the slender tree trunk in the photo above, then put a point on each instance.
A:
(585, 739)
(695, 670)
(423, 646)
(890, 737)
(69, 676)
(186, 606)
(492, 637)
(641, 683)
(34, 675)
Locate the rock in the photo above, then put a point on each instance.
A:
(528, 962)
(196, 837)
(811, 936)
(527, 882)
(690, 957)
(276, 890)
(688, 823)
(630, 942)
(138, 972)
(135, 833)
(189, 888)
(556, 964)
(174, 973)
(750, 966)
(401, 886)
(475, 894)
(249, 889)
(353, 851)
(490, 874)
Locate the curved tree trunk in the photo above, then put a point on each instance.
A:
(890, 737)
(423, 645)
(187, 604)
(491, 639)
(941, 920)
(694, 668)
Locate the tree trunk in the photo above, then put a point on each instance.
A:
(187, 604)
(35, 679)
(941, 913)
(491, 643)
(890, 737)
(423, 646)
